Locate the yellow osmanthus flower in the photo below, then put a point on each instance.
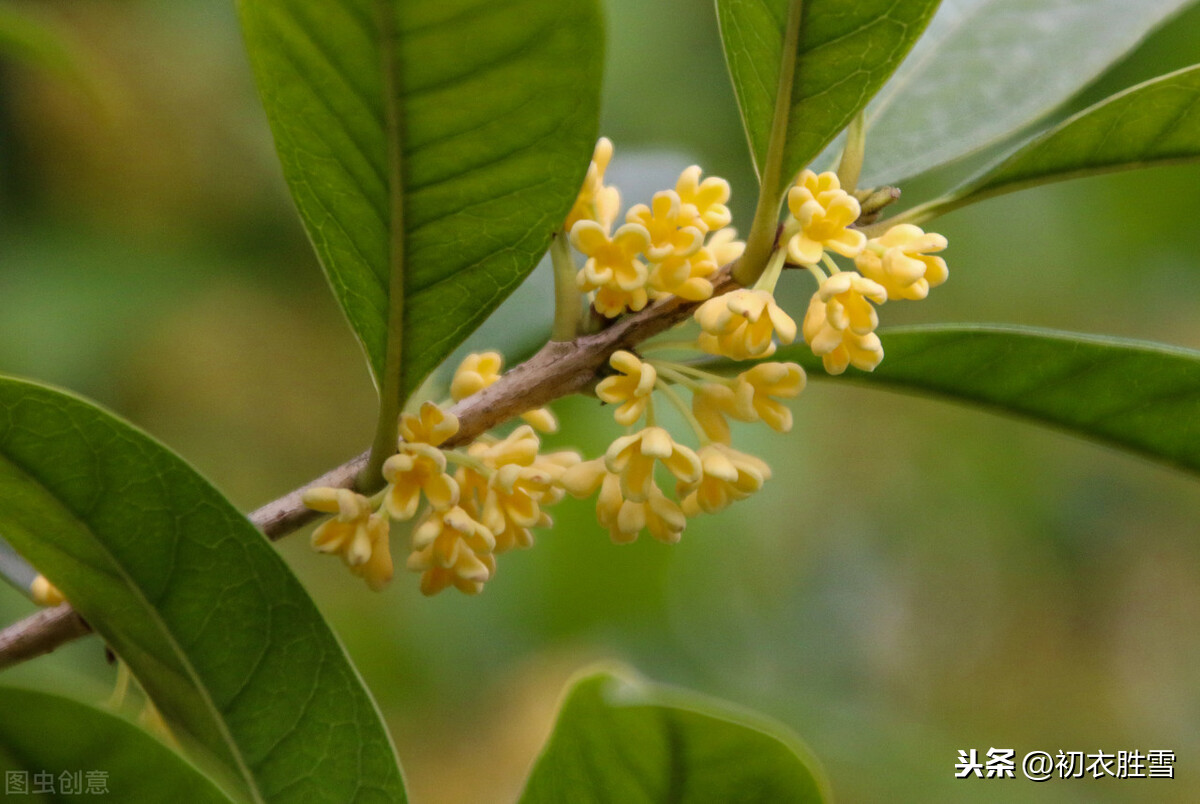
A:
(358, 533)
(633, 458)
(479, 370)
(415, 469)
(612, 261)
(729, 475)
(690, 277)
(899, 261)
(840, 322)
(45, 593)
(631, 389)
(711, 402)
(431, 425)
(624, 518)
(740, 324)
(519, 482)
(595, 201)
(759, 388)
(611, 301)
(670, 231)
(751, 397)
(823, 211)
(706, 198)
(450, 548)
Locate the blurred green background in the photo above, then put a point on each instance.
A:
(918, 578)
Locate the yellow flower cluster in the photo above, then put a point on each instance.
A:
(672, 246)
(705, 480)
(840, 322)
(477, 502)
(484, 505)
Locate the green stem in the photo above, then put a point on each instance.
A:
(567, 308)
(662, 346)
(770, 277)
(761, 241)
(850, 166)
(684, 410)
(669, 371)
(391, 384)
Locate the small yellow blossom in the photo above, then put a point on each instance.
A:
(631, 389)
(824, 212)
(611, 301)
(706, 198)
(710, 404)
(45, 593)
(740, 324)
(729, 475)
(480, 370)
(417, 468)
(357, 533)
(508, 500)
(690, 277)
(670, 233)
(840, 322)
(450, 548)
(622, 517)
(431, 425)
(757, 390)
(633, 457)
(595, 201)
(612, 261)
(476, 372)
(750, 398)
(899, 261)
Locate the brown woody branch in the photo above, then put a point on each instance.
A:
(559, 369)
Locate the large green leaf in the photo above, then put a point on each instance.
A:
(987, 68)
(846, 52)
(1139, 396)
(1157, 122)
(53, 743)
(625, 741)
(440, 140)
(205, 613)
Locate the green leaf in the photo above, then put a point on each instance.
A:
(626, 741)
(1157, 122)
(491, 112)
(47, 734)
(985, 69)
(845, 54)
(205, 613)
(1139, 396)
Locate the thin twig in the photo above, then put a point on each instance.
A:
(557, 370)
(39, 634)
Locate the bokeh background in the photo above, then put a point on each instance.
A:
(918, 577)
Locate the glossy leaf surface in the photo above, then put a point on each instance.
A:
(195, 600)
(1143, 397)
(846, 52)
(1154, 123)
(442, 141)
(985, 69)
(628, 741)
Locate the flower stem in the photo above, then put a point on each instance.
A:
(850, 166)
(566, 291)
(684, 410)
